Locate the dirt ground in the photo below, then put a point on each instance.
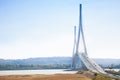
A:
(45, 77)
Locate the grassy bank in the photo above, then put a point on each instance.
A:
(45, 77)
(97, 76)
(81, 75)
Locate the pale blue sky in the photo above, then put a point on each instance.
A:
(44, 28)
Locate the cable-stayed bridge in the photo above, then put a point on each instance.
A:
(81, 59)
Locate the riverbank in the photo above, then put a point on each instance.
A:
(81, 75)
(45, 77)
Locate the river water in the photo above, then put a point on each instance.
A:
(31, 72)
(113, 69)
(44, 71)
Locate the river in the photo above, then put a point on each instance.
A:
(113, 69)
(44, 71)
(31, 72)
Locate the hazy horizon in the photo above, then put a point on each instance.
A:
(50, 57)
(45, 28)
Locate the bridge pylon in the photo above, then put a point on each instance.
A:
(80, 60)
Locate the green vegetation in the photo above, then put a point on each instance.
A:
(112, 66)
(113, 72)
(116, 66)
(27, 67)
(97, 76)
(103, 77)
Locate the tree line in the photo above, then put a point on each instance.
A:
(44, 66)
(33, 66)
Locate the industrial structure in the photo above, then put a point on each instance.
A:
(80, 59)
